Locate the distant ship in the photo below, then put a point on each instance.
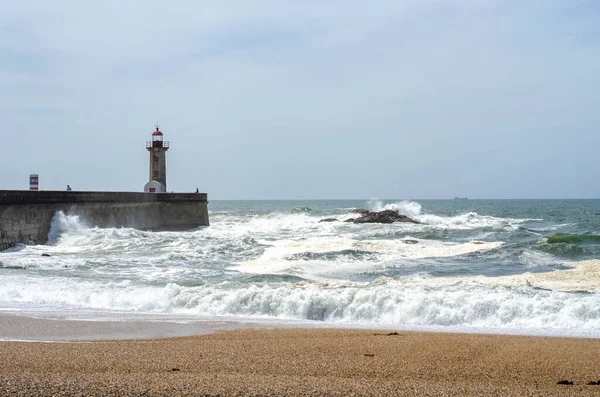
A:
(461, 198)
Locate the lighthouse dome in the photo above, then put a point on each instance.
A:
(157, 132)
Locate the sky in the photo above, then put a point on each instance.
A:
(336, 99)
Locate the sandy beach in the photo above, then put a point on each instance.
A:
(304, 362)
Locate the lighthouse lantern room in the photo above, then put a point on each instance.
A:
(158, 163)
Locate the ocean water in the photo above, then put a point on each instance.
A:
(493, 266)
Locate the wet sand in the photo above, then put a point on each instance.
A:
(304, 362)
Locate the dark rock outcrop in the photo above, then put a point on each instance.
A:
(385, 216)
(328, 220)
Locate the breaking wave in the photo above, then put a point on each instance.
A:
(381, 303)
(461, 267)
(573, 238)
(468, 220)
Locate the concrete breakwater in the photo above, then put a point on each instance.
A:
(25, 216)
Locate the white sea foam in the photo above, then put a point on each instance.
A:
(469, 220)
(581, 276)
(475, 305)
(204, 273)
(408, 208)
(71, 233)
(282, 257)
(532, 259)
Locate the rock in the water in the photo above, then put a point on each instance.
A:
(45, 254)
(328, 220)
(385, 216)
(350, 220)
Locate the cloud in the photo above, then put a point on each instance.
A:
(429, 93)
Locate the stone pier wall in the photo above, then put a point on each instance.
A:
(25, 216)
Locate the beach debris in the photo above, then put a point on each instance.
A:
(594, 383)
(174, 369)
(386, 333)
(369, 355)
(328, 220)
(564, 382)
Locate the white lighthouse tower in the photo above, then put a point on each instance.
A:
(158, 163)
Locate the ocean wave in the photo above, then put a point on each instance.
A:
(564, 250)
(474, 268)
(572, 238)
(469, 220)
(71, 232)
(319, 257)
(62, 223)
(533, 258)
(345, 255)
(377, 303)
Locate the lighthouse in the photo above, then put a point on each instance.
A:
(157, 148)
